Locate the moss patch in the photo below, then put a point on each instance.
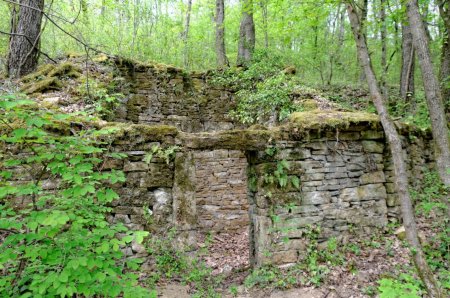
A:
(47, 77)
(51, 83)
(142, 131)
(245, 139)
(64, 69)
(42, 71)
(318, 119)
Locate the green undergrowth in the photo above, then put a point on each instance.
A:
(314, 267)
(430, 208)
(264, 89)
(53, 204)
(171, 263)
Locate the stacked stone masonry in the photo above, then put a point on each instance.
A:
(168, 95)
(216, 180)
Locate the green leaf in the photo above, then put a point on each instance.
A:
(100, 276)
(285, 164)
(64, 276)
(20, 132)
(128, 239)
(295, 181)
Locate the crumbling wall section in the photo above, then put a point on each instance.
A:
(161, 94)
(277, 182)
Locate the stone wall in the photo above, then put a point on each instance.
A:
(161, 94)
(221, 190)
(346, 183)
(220, 181)
(341, 184)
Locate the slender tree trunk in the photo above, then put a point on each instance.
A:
(136, 23)
(246, 34)
(263, 5)
(383, 37)
(408, 63)
(186, 35)
(103, 8)
(444, 11)
(24, 47)
(222, 59)
(432, 92)
(364, 11)
(394, 141)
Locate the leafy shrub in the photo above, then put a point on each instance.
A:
(262, 89)
(405, 287)
(58, 242)
(172, 263)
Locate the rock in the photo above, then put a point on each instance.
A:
(316, 198)
(400, 233)
(373, 177)
(52, 100)
(135, 167)
(373, 147)
(364, 193)
(138, 247)
(284, 257)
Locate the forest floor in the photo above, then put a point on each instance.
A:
(366, 259)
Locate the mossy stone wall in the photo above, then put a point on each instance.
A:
(218, 182)
(161, 94)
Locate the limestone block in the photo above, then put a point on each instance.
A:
(390, 188)
(329, 187)
(293, 154)
(305, 209)
(392, 200)
(336, 175)
(373, 177)
(373, 146)
(316, 198)
(312, 183)
(135, 166)
(313, 177)
(372, 135)
(284, 257)
(316, 145)
(363, 193)
(298, 222)
(291, 244)
(348, 136)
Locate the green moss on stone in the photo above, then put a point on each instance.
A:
(245, 139)
(147, 132)
(43, 85)
(42, 71)
(318, 119)
(64, 69)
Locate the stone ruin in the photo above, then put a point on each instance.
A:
(216, 181)
(222, 176)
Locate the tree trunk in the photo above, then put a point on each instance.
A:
(432, 92)
(383, 37)
(186, 35)
(444, 11)
(246, 34)
(364, 11)
(24, 43)
(407, 72)
(263, 5)
(222, 59)
(393, 139)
